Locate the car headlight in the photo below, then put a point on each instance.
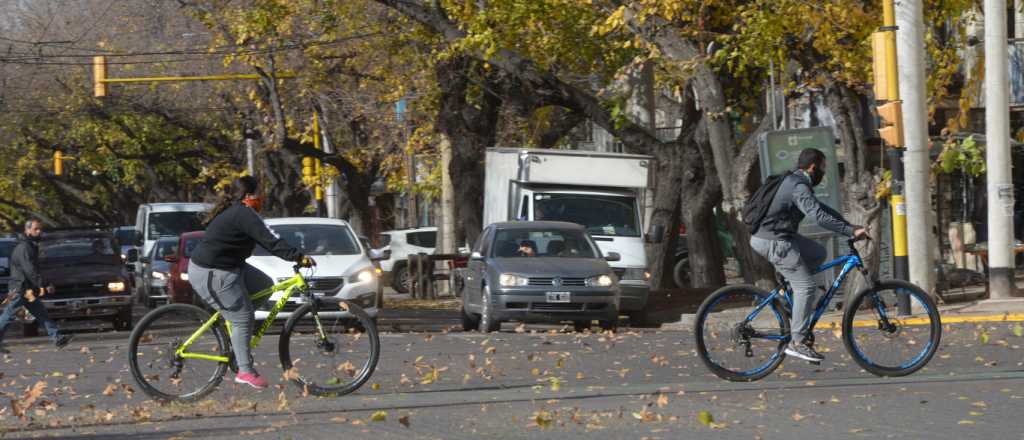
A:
(599, 281)
(364, 276)
(160, 275)
(183, 276)
(637, 274)
(510, 280)
(116, 286)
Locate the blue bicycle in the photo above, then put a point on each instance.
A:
(891, 328)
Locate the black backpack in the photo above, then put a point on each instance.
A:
(756, 207)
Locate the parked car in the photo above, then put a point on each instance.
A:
(402, 243)
(126, 238)
(368, 250)
(89, 275)
(344, 268)
(539, 272)
(155, 272)
(179, 290)
(6, 248)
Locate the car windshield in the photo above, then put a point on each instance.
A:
(164, 248)
(76, 247)
(316, 239)
(6, 248)
(563, 243)
(169, 224)
(190, 245)
(601, 215)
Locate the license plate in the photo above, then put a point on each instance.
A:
(558, 297)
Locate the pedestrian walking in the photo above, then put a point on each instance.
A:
(27, 287)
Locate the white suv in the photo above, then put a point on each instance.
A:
(402, 243)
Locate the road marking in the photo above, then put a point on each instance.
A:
(1005, 317)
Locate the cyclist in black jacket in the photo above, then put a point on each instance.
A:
(217, 269)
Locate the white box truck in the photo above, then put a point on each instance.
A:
(608, 193)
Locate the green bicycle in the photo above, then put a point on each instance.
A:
(329, 346)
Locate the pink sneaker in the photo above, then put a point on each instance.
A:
(253, 380)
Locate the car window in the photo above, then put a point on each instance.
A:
(384, 239)
(165, 248)
(6, 248)
(316, 239)
(427, 239)
(125, 236)
(559, 243)
(168, 224)
(76, 247)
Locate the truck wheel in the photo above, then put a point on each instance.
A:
(609, 325)
(123, 320)
(400, 280)
(580, 326)
(681, 273)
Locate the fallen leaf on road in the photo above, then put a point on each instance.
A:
(291, 374)
(20, 407)
(521, 328)
(379, 416)
(556, 384)
(1018, 330)
(404, 420)
(579, 376)
(543, 419)
(109, 390)
(339, 419)
(491, 350)
(705, 418)
(662, 401)
(375, 386)
(965, 422)
(798, 417)
(975, 413)
(983, 337)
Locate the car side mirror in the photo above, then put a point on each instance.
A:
(138, 238)
(656, 234)
(380, 254)
(476, 256)
(612, 256)
(171, 258)
(132, 256)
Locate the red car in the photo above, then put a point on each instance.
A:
(178, 288)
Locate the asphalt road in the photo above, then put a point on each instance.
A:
(539, 383)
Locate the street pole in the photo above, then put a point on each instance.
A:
(916, 161)
(331, 192)
(997, 152)
(250, 152)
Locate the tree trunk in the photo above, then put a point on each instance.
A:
(471, 125)
(701, 193)
(667, 187)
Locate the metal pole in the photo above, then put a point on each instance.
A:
(910, 47)
(250, 153)
(331, 192)
(899, 226)
(771, 90)
(997, 152)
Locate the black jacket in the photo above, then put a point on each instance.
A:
(25, 273)
(231, 237)
(794, 200)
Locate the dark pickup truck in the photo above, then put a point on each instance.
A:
(90, 277)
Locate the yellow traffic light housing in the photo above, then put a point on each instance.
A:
(308, 169)
(99, 70)
(58, 163)
(890, 117)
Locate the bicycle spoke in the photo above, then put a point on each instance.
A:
(740, 340)
(161, 372)
(339, 362)
(886, 338)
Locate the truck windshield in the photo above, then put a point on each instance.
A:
(601, 215)
(513, 243)
(76, 248)
(315, 239)
(170, 224)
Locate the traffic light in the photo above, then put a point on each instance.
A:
(890, 116)
(58, 163)
(308, 170)
(99, 70)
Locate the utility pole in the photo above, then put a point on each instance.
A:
(331, 191)
(250, 151)
(890, 117)
(916, 161)
(997, 152)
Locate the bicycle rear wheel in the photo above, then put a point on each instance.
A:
(884, 342)
(741, 334)
(336, 362)
(162, 374)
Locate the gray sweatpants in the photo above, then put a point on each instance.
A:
(225, 291)
(795, 259)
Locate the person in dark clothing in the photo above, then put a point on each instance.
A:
(794, 255)
(217, 269)
(27, 286)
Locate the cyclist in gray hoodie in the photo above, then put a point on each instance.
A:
(794, 255)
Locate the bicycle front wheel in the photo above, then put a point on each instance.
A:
(160, 372)
(881, 339)
(332, 351)
(741, 334)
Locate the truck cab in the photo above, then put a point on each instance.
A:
(609, 194)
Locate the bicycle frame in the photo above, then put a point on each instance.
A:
(289, 286)
(849, 262)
